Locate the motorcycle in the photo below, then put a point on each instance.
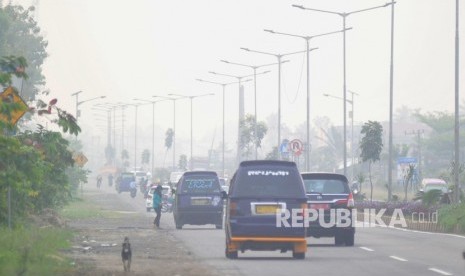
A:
(166, 207)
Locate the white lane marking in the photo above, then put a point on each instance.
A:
(366, 248)
(420, 232)
(398, 258)
(442, 272)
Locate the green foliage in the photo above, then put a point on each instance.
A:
(431, 197)
(169, 136)
(273, 154)
(247, 126)
(372, 142)
(438, 145)
(333, 141)
(20, 37)
(12, 66)
(34, 251)
(408, 177)
(145, 156)
(182, 162)
(451, 216)
(371, 146)
(35, 165)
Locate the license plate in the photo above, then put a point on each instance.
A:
(319, 206)
(200, 201)
(266, 209)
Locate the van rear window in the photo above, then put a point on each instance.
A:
(200, 184)
(325, 186)
(275, 182)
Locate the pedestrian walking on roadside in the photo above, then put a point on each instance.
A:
(157, 201)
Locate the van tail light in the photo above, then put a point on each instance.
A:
(304, 207)
(350, 201)
(232, 209)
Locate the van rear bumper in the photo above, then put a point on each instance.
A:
(296, 244)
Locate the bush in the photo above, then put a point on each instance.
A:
(34, 251)
(451, 216)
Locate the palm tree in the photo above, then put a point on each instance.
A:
(169, 135)
(371, 146)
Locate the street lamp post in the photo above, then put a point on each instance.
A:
(254, 67)
(191, 100)
(78, 103)
(174, 126)
(224, 89)
(308, 50)
(457, 99)
(352, 103)
(344, 15)
(153, 129)
(280, 61)
(241, 106)
(77, 100)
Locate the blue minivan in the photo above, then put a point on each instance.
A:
(199, 200)
(258, 191)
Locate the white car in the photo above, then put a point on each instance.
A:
(166, 191)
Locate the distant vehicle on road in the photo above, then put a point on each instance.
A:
(428, 184)
(165, 192)
(258, 190)
(198, 200)
(124, 181)
(326, 192)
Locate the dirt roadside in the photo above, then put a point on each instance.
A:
(97, 245)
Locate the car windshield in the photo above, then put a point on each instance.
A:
(268, 182)
(430, 187)
(325, 186)
(200, 184)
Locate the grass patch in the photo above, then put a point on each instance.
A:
(84, 209)
(34, 251)
(452, 217)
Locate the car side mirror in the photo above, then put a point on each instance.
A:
(224, 195)
(173, 191)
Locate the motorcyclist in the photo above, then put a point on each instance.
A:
(110, 180)
(99, 181)
(133, 187)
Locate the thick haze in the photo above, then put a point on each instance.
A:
(127, 49)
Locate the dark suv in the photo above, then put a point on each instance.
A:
(328, 192)
(199, 200)
(258, 192)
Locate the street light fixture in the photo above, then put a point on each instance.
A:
(78, 103)
(352, 103)
(224, 88)
(241, 105)
(191, 98)
(344, 15)
(254, 67)
(279, 56)
(307, 40)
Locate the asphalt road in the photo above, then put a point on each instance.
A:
(377, 251)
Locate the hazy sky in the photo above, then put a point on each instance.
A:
(140, 48)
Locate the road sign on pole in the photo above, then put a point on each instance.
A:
(10, 96)
(296, 146)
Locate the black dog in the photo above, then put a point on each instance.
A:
(126, 254)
